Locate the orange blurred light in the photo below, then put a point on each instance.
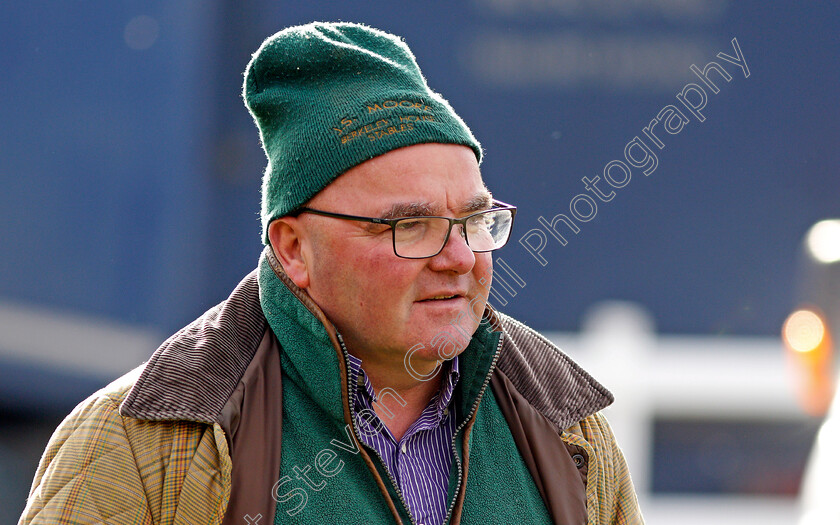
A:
(809, 340)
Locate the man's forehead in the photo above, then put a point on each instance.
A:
(480, 200)
(422, 179)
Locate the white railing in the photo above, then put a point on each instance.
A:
(655, 375)
(71, 342)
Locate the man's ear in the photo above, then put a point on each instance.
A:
(286, 237)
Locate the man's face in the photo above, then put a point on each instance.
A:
(383, 304)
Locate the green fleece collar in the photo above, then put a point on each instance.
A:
(311, 359)
(308, 355)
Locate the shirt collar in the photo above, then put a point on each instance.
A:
(357, 377)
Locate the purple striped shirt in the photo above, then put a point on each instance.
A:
(419, 463)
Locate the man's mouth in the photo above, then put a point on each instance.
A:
(440, 298)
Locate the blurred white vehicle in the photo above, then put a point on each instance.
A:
(808, 335)
(821, 486)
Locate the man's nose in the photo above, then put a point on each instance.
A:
(456, 254)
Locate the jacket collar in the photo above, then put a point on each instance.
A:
(555, 385)
(193, 373)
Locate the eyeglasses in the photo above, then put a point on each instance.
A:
(423, 237)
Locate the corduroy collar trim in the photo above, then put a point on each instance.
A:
(194, 372)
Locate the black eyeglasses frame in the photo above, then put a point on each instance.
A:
(497, 206)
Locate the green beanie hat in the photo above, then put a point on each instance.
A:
(329, 96)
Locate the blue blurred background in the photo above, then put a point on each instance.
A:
(130, 169)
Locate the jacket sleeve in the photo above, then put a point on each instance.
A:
(88, 473)
(609, 484)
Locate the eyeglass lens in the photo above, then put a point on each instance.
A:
(425, 236)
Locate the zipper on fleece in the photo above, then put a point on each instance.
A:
(361, 443)
(467, 420)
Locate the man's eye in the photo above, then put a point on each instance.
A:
(480, 222)
(409, 225)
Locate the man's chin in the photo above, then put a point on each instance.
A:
(443, 342)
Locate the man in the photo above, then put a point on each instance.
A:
(358, 375)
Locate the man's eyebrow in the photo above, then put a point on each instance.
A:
(409, 209)
(479, 202)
